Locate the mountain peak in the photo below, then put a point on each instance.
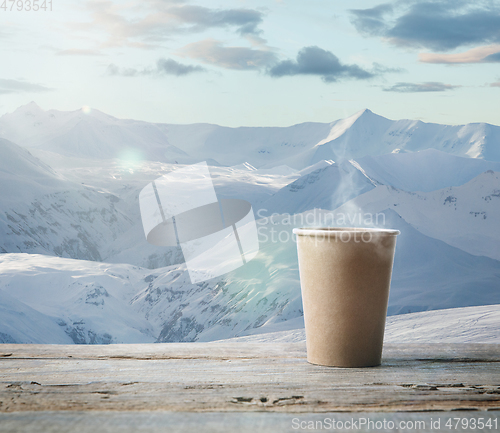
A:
(31, 108)
(364, 114)
(32, 105)
(341, 126)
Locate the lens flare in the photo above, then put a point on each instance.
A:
(130, 159)
(86, 109)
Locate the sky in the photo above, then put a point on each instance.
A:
(254, 63)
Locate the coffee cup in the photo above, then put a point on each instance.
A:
(345, 276)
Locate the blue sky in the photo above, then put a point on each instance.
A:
(255, 63)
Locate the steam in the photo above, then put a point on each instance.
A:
(346, 209)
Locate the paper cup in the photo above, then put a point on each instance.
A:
(345, 275)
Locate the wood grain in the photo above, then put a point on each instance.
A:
(226, 377)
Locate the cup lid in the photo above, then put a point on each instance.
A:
(333, 231)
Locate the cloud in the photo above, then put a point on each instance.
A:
(378, 69)
(371, 21)
(78, 52)
(16, 86)
(492, 58)
(316, 61)
(202, 18)
(490, 53)
(171, 67)
(146, 24)
(430, 86)
(213, 52)
(497, 84)
(115, 70)
(439, 25)
(163, 67)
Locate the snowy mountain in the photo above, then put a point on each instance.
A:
(425, 170)
(86, 301)
(368, 134)
(465, 216)
(324, 188)
(108, 303)
(429, 274)
(44, 213)
(93, 134)
(23, 324)
(23, 177)
(77, 267)
(86, 134)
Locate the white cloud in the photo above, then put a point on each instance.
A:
(213, 52)
(475, 55)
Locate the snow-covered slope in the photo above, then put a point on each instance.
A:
(479, 324)
(454, 325)
(102, 302)
(430, 274)
(106, 303)
(131, 246)
(465, 216)
(20, 323)
(324, 188)
(262, 147)
(24, 177)
(89, 301)
(49, 212)
(41, 212)
(425, 170)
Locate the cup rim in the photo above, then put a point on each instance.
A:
(333, 231)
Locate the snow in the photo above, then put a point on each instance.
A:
(465, 216)
(104, 302)
(455, 325)
(22, 324)
(426, 170)
(326, 187)
(88, 299)
(100, 136)
(21, 175)
(76, 267)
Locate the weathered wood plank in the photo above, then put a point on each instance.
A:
(216, 350)
(226, 377)
(213, 350)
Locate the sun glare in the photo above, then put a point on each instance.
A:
(130, 159)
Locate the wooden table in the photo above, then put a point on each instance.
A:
(256, 382)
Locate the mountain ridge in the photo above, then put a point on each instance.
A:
(92, 133)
